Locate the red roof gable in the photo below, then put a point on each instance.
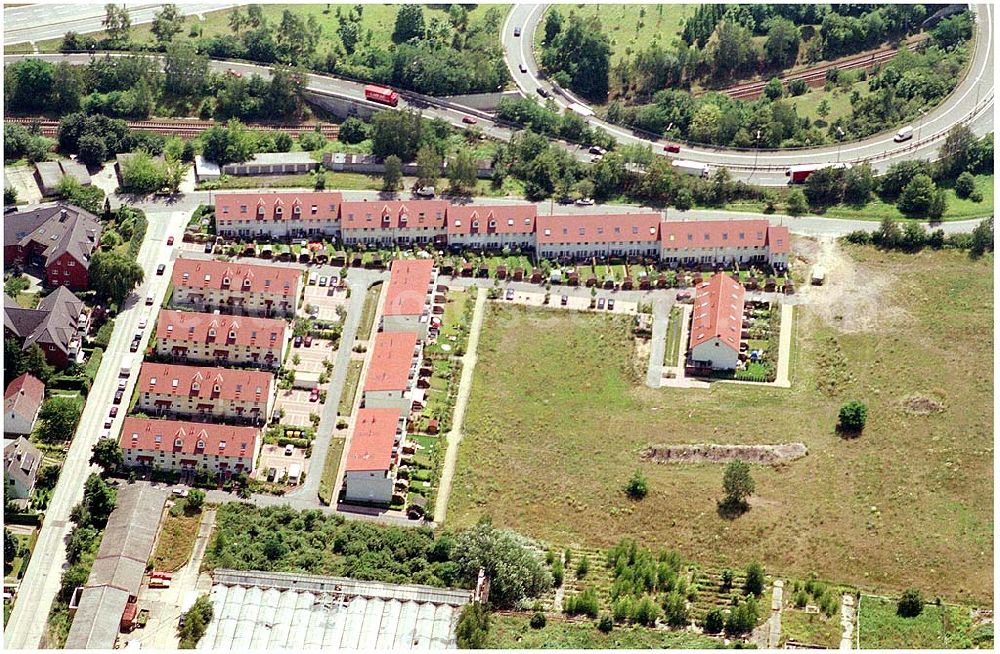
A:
(195, 328)
(24, 395)
(393, 214)
(205, 274)
(162, 435)
(374, 436)
(598, 228)
(408, 287)
(244, 385)
(718, 311)
(496, 219)
(714, 234)
(321, 206)
(391, 359)
(778, 239)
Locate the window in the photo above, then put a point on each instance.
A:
(246, 283)
(222, 445)
(179, 443)
(195, 386)
(725, 236)
(278, 211)
(152, 381)
(582, 231)
(743, 235)
(201, 444)
(600, 230)
(690, 237)
(475, 224)
(211, 332)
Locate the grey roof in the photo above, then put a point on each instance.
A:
(264, 610)
(203, 166)
(118, 569)
(54, 322)
(21, 460)
(76, 170)
(55, 229)
(49, 175)
(266, 158)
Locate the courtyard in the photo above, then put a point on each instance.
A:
(558, 417)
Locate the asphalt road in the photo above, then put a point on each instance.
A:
(38, 22)
(27, 622)
(972, 102)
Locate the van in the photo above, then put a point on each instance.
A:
(294, 471)
(905, 134)
(312, 279)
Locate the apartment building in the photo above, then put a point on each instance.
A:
(236, 288)
(392, 373)
(492, 227)
(218, 394)
(724, 242)
(371, 460)
(189, 446)
(717, 323)
(409, 297)
(188, 337)
(402, 222)
(278, 215)
(598, 235)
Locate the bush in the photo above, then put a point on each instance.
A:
(852, 417)
(713, 621)
(638, 486)
(557, 573)
(965, 185)
(584, 603)
(801, 599)
(353, 131)
(582, 567)
(473, 626)
(911, 604)
(754, 584)
(605, 624)
(537, 620)
(727, 579)
(645, 612)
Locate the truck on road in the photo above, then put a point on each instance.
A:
(382, 95)
(690, 167)
(128, 361)
(799, 174)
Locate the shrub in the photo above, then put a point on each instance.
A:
(713, 621)
(853, 416)
(582, 568)
(645, 612)
(727, 579)
(911, 604)
(537, 620)
(675, 610)
(621, 610)
(754, 583)
(584, 603)
(976, 195)
(801, 599)
(473, 626)
(965, 185)
(605, 624)
(638, 486)
(557, 573)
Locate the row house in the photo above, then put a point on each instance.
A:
(598, 235)
(236, 288)
(185, 337)
(409, 297)
(717, 323)
(59, 239)
(392, 373)
(278, 215)
(369, 473)
(206, 393)
(189, 446)
(492, 227)
(724, 242)
(395, 222)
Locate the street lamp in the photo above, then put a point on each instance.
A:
(756, 151)
(920, 124)
(840, 142)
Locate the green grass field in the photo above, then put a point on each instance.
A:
(514, 632)
(558, 416)
(937, 627)
(176, 539)
(838, 99)
(368, 311)
(330, 468)
(631, 28)
(674, 328)
(350, 387)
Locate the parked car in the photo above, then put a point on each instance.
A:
(118, 396)
(468, 120)
(683, 295)
(289, 449)
(134, 347)
(143, 322)
(312, 279)
(180, 492)
(670, 147)
(584, 202)
(596, 149)
(149, 300)
(170, 240)
(208, 248)
(563, 300)
(611, 304)
(313, 311)
(122, 382)
(106, 433)
(510, 294)
(323, 280)
(272, 473)
(596, 158)
(160, 268)
(522, 68)
(297, 341)
(314, 395)
(234, 73)
(308, 340)
(114, 412)
(600, 303)
(108, 421)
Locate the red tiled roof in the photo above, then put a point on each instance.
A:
(407, 291)
(714, 234)
(148, 435)
(391, 358)
(718, 311)
(24, 395)
(201, 273)
(233, 384)
(417, 213)
(778, 239)
(374, 436)
(598, 228)
(313, 206)
(492, 219)
(195, 328)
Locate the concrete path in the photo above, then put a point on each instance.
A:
(464, 390)
(774, 630)
(847, 620)
(658, 342)
(785, 346)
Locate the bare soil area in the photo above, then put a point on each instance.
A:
(701, 453)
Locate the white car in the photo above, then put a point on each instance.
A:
(312, 279)
(584, 202)
(143, 322)
(106, 433)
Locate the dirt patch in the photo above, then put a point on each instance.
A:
(854, 297)
(761, 454)
(916, 405)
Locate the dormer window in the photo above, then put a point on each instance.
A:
(475, 224)
(211, 332)
(232, 333)
(179, 442)
(135, 438)
(493, 224)
(260, 209)
(195, 386)
(217, 388)
(226, 281)
(222, 445)
(201, 444)
(246, 283)
(277, 211)
(208, 278)
(152, 381)
(403, 218)
(297, 210)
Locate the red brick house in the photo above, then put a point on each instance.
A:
(58, 239)
(179, 446)
(57, 326)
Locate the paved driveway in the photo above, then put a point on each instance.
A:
(297, 407)
(273, 456)
(311, 358)
(326, 299)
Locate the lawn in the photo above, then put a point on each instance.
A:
(25, 545)
(350, 388)
(330, 467)
(558, 416)
(810, 628)
(513, 632)
(937, 627)
(176, 539)
(674, 328)
(631, 28)
(839, 99)
(368, 312)
(454, 324)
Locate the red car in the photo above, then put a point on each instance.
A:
(114, 411)
(170, 240)
(314, 395)
(469, 120)
(670, 147)
(683, 295)
(234, 73)
(307, 341)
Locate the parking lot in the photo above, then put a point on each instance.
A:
(273, 456)
(311, 358)
(297, 407)
(575, 302)
(326, 299)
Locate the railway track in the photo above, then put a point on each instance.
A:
(186, 128)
